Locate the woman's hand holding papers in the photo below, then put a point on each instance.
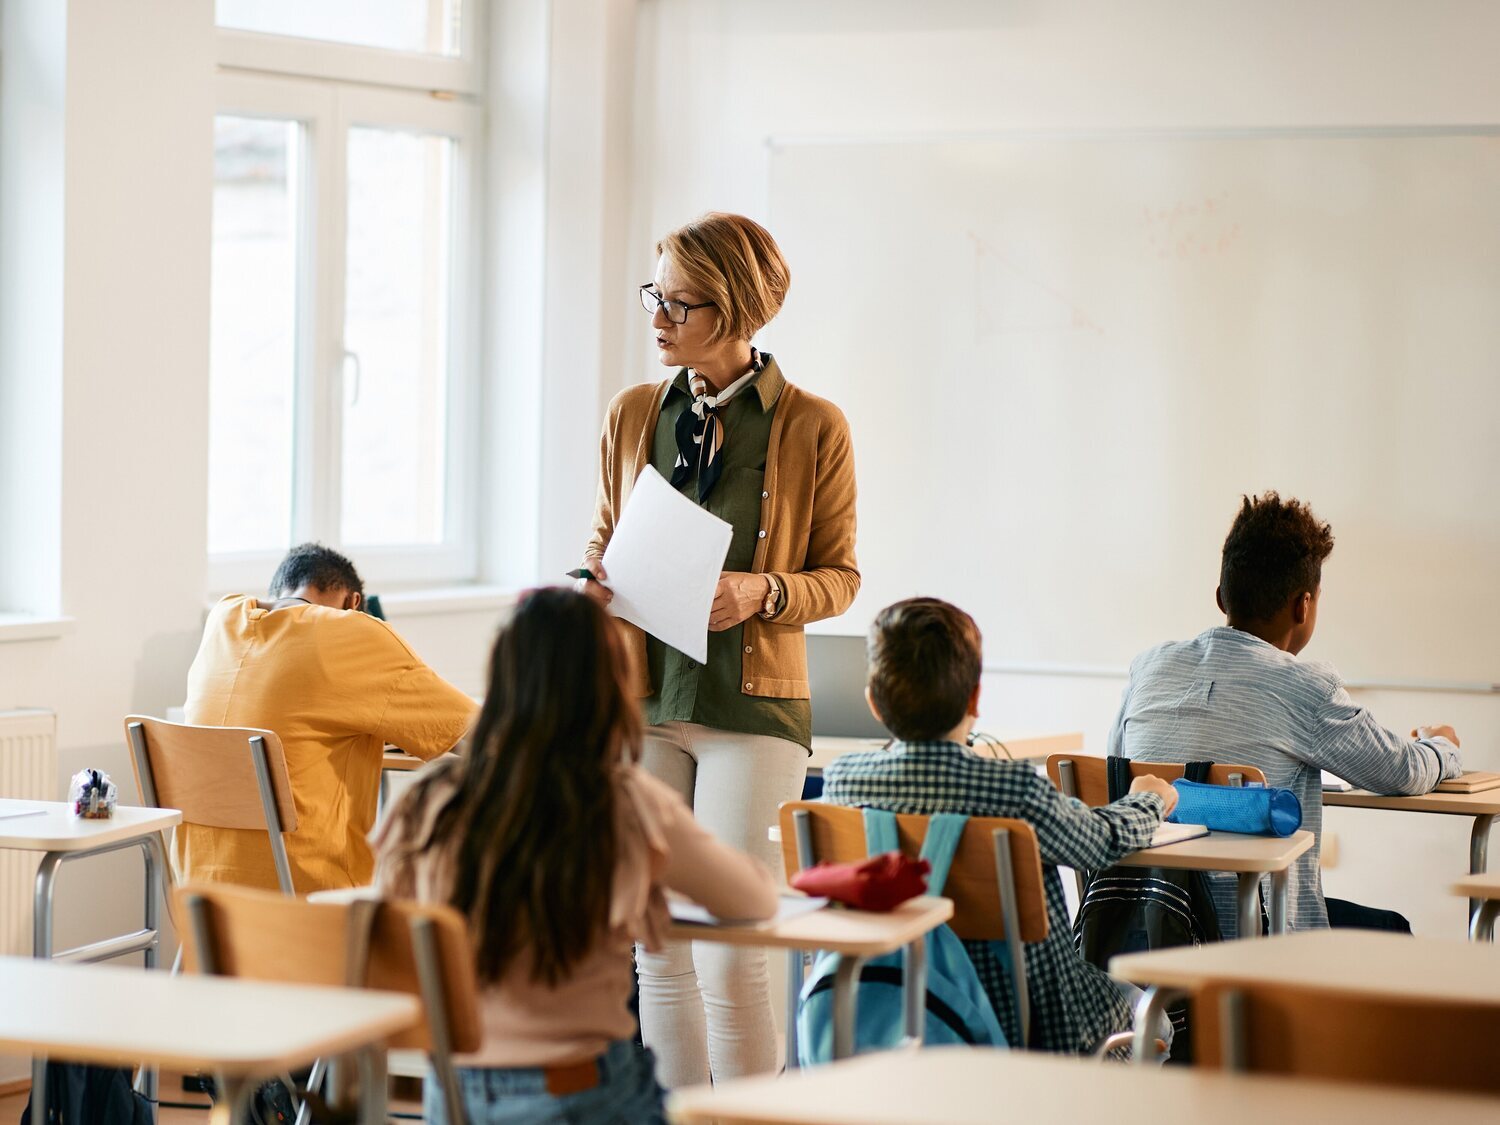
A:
(594, 587)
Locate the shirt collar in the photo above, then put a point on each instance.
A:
(767, 386)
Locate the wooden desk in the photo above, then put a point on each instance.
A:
(1485, 890)
(1245, 857)
(242, 1030)
(968, 1086)
(856, 936)
(1363, 961)
(62, 837)
(825, 748)
(1483, 807)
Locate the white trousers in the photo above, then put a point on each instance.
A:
(705, 1006)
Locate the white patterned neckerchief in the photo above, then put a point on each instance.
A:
(700, 431)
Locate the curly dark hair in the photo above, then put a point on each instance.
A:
(1273, 553)
(322, 568)
(925, 662)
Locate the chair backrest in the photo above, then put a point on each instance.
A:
(261, 935)
(838, 836)
(208, 773)
(1091, 775)
(1321, 1032)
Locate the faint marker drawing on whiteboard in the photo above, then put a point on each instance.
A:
(1011, 299)
(1187, 230)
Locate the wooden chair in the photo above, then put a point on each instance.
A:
(1321, 1032)
(363, 943)
(995, 882)
(219, 777)
(1086, 776)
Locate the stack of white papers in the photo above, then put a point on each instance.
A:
(664, 561)
(1333, 783)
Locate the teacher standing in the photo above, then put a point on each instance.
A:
(731, 735)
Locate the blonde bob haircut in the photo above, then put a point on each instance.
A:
(735, 263)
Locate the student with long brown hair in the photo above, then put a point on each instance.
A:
(557, 846)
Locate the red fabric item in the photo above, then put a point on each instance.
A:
(880, 883)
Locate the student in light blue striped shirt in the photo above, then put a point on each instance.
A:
(1237, 693)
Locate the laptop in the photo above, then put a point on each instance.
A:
(836, 671)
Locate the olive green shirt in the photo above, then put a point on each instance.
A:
(709, 694)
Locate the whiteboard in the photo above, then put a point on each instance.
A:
(1064, 358)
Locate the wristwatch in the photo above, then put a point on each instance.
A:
(773, 598)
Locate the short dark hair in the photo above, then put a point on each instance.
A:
(312, 564)
(925, 662)
(1274, 552)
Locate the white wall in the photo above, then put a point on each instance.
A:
(716, 78)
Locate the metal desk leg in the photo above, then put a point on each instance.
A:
(237, 1094)
(794, 973)
(1482, 925)
(914, 992)
(1247, 895)
(1479, 851)
(845, 1004)
(372, 1086)
(41, 948)
(1279, 881)
(1149, 1008)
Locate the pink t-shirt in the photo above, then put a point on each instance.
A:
(659, 846)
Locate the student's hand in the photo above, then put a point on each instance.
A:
(594, 587)
(739, 597)
(1436, 732)
(1150, 783)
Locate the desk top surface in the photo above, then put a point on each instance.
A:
(857, 932)
(1365, 961)
(1454, 804)
(1479, 886)
(1225, 851)
(116, 1015)
(55, 829)
(965, 1086)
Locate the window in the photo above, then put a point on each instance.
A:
(429, 26)
(343, 372)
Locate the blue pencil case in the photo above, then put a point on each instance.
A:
(1257, 811)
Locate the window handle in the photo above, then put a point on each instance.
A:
(353, 357)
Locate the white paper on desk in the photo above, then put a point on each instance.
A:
(1333, 783)
(790, 906)
(664, 561)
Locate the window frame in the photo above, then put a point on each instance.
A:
(326, 111)
(348, 62)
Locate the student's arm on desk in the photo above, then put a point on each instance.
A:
(1072, 834)
(729, 883)
(424, 714)
(1346, 740)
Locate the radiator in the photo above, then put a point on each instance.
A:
(28, 770)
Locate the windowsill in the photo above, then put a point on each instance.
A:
(446, 599)
(434, 601)
(30, 627)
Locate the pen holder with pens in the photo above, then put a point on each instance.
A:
(92, 795)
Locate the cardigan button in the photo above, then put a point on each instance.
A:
(749, 686)
(749, 648)
(761, 534)
(765, 495)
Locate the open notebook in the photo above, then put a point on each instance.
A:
(791, 906)
(1176, 833)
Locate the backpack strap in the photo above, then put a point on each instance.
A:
(880, 832)
(1197, 771)
(1119, 776)
(944, 831)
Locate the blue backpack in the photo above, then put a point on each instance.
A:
(958, 1010)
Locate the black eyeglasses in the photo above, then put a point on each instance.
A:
(676, 311)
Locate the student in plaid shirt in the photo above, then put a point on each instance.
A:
(925, 664)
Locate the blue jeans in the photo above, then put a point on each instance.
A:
(627, 1094)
